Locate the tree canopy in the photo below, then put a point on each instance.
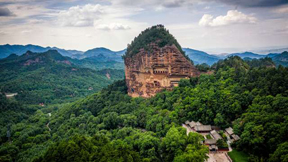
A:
(156, 34)
(251, 99)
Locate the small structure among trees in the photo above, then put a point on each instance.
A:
(215, 135)
(215, 138)
(10, 95)
(232, 136)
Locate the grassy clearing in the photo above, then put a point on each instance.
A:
(238, 156)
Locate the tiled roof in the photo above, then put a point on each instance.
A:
(215, 135)
(235, 137)
(203, 128)
(229, 130)
(210, 141)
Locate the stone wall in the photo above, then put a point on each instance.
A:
(153, 70)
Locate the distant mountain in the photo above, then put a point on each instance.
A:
(31, 59)
(277, 58)
(70, 53)
(104, 53)
(98, 51)
(247, 54)
(97, 58)
(200, 57)
(272, 54)
(281, 59)
(50, 77)
(101, 58)
(98, 62)
(276, 50)
(6, 50)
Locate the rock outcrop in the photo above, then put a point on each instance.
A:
(150, 71)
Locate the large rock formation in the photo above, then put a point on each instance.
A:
(155, 68)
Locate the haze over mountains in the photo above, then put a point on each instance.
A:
(6, 50)
(105, 58)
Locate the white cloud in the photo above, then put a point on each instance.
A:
(166, 3)
(281, 10)
(97, 15)
(283, 30)
(3, 32)
(156, 4)
(56, 25)
(112, 26)
(35, 21)
(28, 10)
(81, 15)
(26, 31)
(232, 17)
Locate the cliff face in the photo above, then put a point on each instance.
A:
(150, 71)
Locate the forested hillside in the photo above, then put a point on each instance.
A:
(249, 96)
(51, 78)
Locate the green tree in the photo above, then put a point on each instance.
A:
(173, 143)
(280, 154)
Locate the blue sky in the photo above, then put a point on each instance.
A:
(216, 26)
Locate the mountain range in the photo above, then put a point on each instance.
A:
(6, 50)
(200, 57)
(99, 58)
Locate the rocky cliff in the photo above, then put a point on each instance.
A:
(154, 68)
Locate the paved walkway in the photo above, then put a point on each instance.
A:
(229, 141)
(217, 157)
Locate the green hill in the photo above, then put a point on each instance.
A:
(155, 34)
(51, 78)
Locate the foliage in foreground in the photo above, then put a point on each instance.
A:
(252, 100)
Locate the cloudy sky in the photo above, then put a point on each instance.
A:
(216, 26)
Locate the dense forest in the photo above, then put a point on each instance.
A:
(250, 96)
(50, 77)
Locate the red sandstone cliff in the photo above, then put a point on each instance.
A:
(149, 72)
